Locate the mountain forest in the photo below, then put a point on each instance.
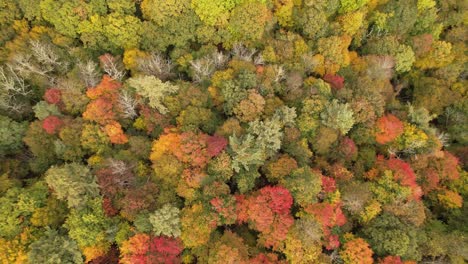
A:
(233, 131)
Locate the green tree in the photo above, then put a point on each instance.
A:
(54, 248)
(72, 182)
(338, 116)
(11, 135)
(154, 90)
(89, 226)
(166, 221)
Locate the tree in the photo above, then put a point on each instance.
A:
(304, 185)
(89, 226)
(338, 116)
(356, 250)
(267, 211)
(154, 90)
(72, 182)
(142, 248)
(52, 124)
(11, 135)
(389, 127)
(166, 221)
(54, 248)
(388, 235)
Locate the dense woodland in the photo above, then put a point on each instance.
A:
(233, 131)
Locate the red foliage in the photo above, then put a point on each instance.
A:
(328, 184)
(329, 215)
(111, 257)
(225, 208)
(52, 124)
(448, 167)
(216, 144)
(108, 208)
(144, 249)
(347, 148)
(52, 96)
(336, 81)
(139, 199)
(403, 173)
(389, 127)
(268, 258)
(391, 260)
(164, 250)
(279, 198)
(267, 211)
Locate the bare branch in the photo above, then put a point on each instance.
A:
(113, 66)
(219, 59)
(280, 74)
(24, 65)
(156, 65)
(202, 69)
(45, 55)
(127, 104)
(88, 73)
(243, 53)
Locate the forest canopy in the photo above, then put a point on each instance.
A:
(233, 131)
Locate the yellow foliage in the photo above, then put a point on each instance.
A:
(440, 55)
(370, 211)
(221, 76)
(450, 199)
(298, 252)
(95, 251)
(284, 12)
(197, 226)
(130, 58)
(95, 160)
(351, 22)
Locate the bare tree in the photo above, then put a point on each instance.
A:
(219, 59)
(242, 52)
(258, 60)
(280, 74)
(25, 66)
(12, 86)
(88, 73)
(45, 55)
(113, 66)
(156, 65)
(128, 104)
(202, 68)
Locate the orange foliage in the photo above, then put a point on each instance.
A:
(389, 127)
(357, 251)
(267, 211)
(115, 133)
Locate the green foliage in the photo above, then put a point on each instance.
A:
(89, 226)
(304, 185)
(351, 5)
(17, 205)
(72, 182)
(11, 135)
(43, 110)
(154, 90)
(388, 235)
(338, 116)
(166, 221)
(234, 131)
(54, 248)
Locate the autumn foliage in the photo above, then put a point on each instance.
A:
(389, 127)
